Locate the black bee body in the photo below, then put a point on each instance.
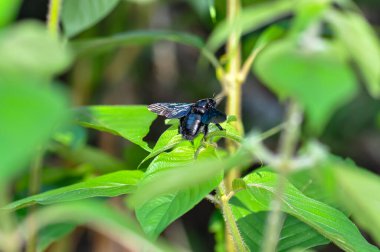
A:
(194, 117)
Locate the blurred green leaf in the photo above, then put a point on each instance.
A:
(109, 185)
(52, 233)
(28, 48)
(356, 190)
(130, 122)
(328, 221)
(294, 233)
(80, 15)
(362, 43)
(216, 226)
(29, 115)
(115, 225)
(157, 213)
(8, 10)
(250, 19)
(316, 75)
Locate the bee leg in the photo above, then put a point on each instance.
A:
(205, 131)
(219, 127)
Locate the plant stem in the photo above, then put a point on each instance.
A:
(232, 228)
(288, 143)
(54, 17)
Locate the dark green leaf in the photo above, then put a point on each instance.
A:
(28, 48)
(356, 190)
(130, 122)
(156, 213)
(109, 185)
(80, 15)
(29, 115)
(53, 233)
(362, 44)
(328, 221)
(316, 75)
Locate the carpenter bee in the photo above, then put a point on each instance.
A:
(194, 117)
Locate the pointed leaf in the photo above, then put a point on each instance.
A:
(130, 122)
(109, 185)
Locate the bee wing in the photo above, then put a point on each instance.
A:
(171, 110)
(213, 116)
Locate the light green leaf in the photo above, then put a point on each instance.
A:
(362, 43)
(28, 48)
(155, 214)
(109, 185)
(250, 19)
(29, 115)
(101, 218)
(328, 221)
(53, 233)
(130, 122)
(294, 233)
(356, 190)
(318, 77)
(8, 10)
(77, 16)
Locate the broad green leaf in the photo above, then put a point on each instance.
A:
(250, 19)
(130, 122)
(157, 213)
(294, 233)
(356, 189)
(328, 221)
(8, 10)
(52, 233)
(143, 37)
(109, 185)
(362, 43)
(316, 75)
(29, 115)
(77, 16)
(28, 48)
(101, 218)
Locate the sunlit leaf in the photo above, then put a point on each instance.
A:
(130, 122)
(316, 75)
(328, 221)
(28, 48)
(362, 43)
(8, 10)
(80, 15)
(109, 185)
(157, 213)
(29, 115)
(356, 190)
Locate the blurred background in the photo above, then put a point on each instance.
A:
(169, 72)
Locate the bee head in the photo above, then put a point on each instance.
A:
(206, 103)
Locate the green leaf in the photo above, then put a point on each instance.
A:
(250, 19)
(356, 190)
(362, 43)
(77, 16)
(29, 115)
(316, 75)
(52, 233)
(294, 233)
(8, 10)
(101, 218)
(157, 213)
(328, 221)
(109, 185)
(217, 227)
(130, 122)
(28, 48)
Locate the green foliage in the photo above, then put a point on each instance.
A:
(8, 11)
(326, 220)
(316, 75)
(80, 15)
(29, 116)
(109, 185)
(157, 213)
(130, 122)
(52, 233)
